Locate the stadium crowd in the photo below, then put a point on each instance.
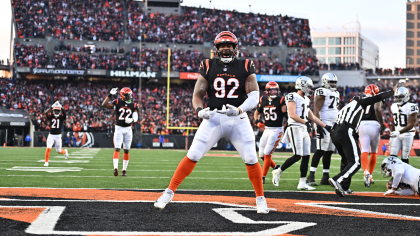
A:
(31, 55)
(295, 31)
(31, 17)
(302, 64)
(396, 72)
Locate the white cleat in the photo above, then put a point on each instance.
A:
(46, 164)
(276, 176)
(164, 199)
(262, 206)
(367, 178)
(66, 155)
(304, 186)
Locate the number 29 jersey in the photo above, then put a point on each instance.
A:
(302, 107)
(329, 110)
(123, 110)
(401, 113)
(271, 109)
(226, 81)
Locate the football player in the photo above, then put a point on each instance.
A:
(405, 117)
(298, 129)
(125, 115)
(232, 88)
(56, 115)
(274, 109)
(370, 129)
(404, 175)
(325, 108)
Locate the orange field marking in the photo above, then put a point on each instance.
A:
(27, 215)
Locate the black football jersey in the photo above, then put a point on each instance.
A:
(56, 123)
(123, 110)
(226, 81)
(369, 113)
(273, 115)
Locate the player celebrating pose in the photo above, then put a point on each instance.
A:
(125, 115)
(369, 134)
(298, 130)
(274, 108)
(326, 108)
(232, 88)
(56, 118)
(405, 117)
(403, 175)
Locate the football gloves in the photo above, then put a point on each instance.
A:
(260, 124)
(206, 113)
(129, 120)
(320, 131)
(390, 191)
(113, 92)
(328, 128)
(309, 126)
(230, 110)
(395, 134)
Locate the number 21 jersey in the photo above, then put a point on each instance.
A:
(226, 81)
(302, 107)
(123, 110)
(56, 123)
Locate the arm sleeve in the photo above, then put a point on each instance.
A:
(366, 101)
(250, 102)
(249, 68)
(204, 67)
(259, 107)
(398, 171)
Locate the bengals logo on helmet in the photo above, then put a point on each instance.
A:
(226, 37)
(371, 90)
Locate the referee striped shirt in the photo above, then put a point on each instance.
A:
(351, 113)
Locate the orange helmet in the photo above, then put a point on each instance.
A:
(126, 94)
(226, 55)
(371, 90)
(272, 89)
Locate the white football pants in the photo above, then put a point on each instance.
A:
(269, 140)
(403, 141)
(54, 139)
(123, 135)
(369, 136)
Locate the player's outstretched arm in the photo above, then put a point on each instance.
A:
(106, 103)
(47, 112)
(200, 91)
(315, 119)
(378, 112)
(366, 101)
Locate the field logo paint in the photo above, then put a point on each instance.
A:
(46, 169)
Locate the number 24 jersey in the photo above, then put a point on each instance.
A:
(302, 107)
(123, 110)
(401, 113)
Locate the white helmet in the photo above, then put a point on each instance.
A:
(327, 78)
(401, 96)
(304, 83)
(385, 166)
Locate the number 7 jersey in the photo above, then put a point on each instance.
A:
(123, 110)
(302, 107)
(401, 113)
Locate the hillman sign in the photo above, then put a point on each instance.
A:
(132, 74)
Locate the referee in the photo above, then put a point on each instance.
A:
(346, 140)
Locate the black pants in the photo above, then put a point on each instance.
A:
(347, 144)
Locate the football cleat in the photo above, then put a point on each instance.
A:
(263, 179)
(371, 180)
(164, 199)
(348, 191)
(46, 164)
(304, 186)
(338, 189)
(262, 205)
(311, 180)
(324, 179)
(366, 179)
(66, 155)
(124, 173)
(276, 176)
(115, 172)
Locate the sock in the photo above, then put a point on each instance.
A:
(185, 167)
(290, 161)
(372, 162)
(115, 159)
(326, 171)
(273, 164)
(125, 164)
(304, 166)
(255, 175)
(302, 180)
(404, 160)
(126, 157)
(315, 159)
(266, 165)
(62, 151)
(364, 160)
(47, 154)
(326, 160)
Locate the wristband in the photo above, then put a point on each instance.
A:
(110, 96)
(198, 109)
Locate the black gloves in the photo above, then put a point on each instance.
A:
(309, 126)
(320, 131)
(328, 128)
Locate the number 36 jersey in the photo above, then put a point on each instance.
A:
(226, 81)
(271, 109)
(302, 107)
(401, 113)
(329, 110)
(123, 110)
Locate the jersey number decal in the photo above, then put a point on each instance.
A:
(319, 92)
(219, 86)
(303, 113)
(415, 108)
(367, 109)
(56, 124)
(270, 114)
(124, 111)
(402, 119)
(334, 101)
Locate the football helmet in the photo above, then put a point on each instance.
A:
(329, 81)
(226, 55)
(56, 111)
(385, 166)
(126, 94)
(401, 96)
(305, 84)
(272, 89)
(371, 90)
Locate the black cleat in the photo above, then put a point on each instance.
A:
(115, 172)
(311, 179)
(276, 167)
(338, 189)
(124, 173)
(324, 179)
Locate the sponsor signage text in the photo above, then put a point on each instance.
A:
(51, 71)
(189, 75)
(133, 74)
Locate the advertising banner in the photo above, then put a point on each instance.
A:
(132, 74)
(277, 78)
(189, 75)
(13, 118)
(54, 71)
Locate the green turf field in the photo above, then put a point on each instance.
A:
(152, 169)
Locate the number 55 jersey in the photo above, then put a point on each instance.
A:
(271, 109)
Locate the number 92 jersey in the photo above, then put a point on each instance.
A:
(123, 110)
(226, 81)
(401, 113)
(302, 107)
(273, 115)
(329, 110)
